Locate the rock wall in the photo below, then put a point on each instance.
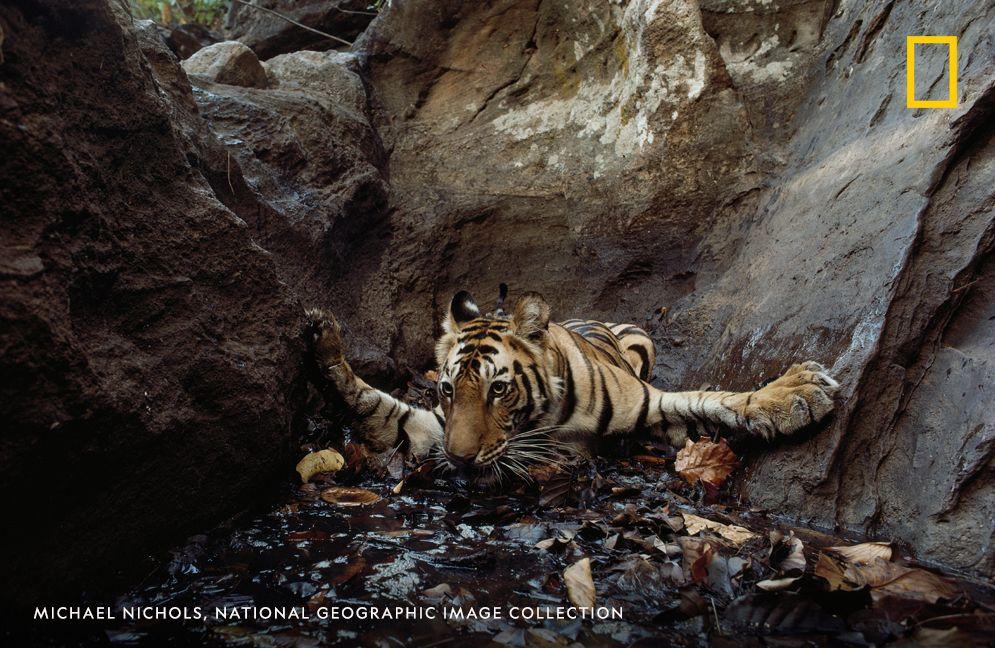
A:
(150, 367)
(750, 166)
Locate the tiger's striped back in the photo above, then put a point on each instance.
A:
(624, 345)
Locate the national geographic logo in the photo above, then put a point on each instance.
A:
(910, 71)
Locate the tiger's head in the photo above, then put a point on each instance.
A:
(494, 387)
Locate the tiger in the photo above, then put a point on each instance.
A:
(515, 390)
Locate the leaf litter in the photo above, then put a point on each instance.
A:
(666, 541)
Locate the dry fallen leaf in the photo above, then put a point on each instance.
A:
(421, 475)
(891, 579)
(735, 534)
(697, 555)
(580, 583)
(864, 553)
(706, 461)
(318, 462)
(346, 496)
(560, 539)
(438, 592)
(830, 571)
(777, 584)
(787, 553)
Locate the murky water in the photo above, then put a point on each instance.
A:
(329, 569)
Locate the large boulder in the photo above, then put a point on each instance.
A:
(187, 39)
(149, 363)
(229, 62)
(308, 152)
(270, 33)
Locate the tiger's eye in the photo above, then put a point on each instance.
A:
(499, 388)
(446, 389)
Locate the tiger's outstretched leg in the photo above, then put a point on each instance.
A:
(601, 396)
(801, 396)
(383, 421)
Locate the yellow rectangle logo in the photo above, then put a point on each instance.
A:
(910, 72)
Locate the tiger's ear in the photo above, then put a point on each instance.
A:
(462, 309)
(531, 318)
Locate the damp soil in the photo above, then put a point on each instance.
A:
(437, 545)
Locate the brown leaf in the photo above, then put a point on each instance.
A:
(421, 475)
(735, 534)
(698, 554)
(649, 459)
(830, 571)
(580, 583)
(693, 604)
(891, 579)
(561, 539)
(709, 462)
(628, 517)
(346, 496)
(787, 553)
(356, 458)
(432, 375)
(438, 592)
(318, 462)
(542, 473)
(864, 553)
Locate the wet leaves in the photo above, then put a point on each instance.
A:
(706, 461)
(891, 579)
(686, 570)
(349, 496)
(319, 462)
(420, 477)
(580, 584)
(735, 534)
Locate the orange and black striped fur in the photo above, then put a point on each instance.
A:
(517, 390)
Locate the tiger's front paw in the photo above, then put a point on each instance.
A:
(324, 337)
(800, 397)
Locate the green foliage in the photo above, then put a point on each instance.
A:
(171, 12)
